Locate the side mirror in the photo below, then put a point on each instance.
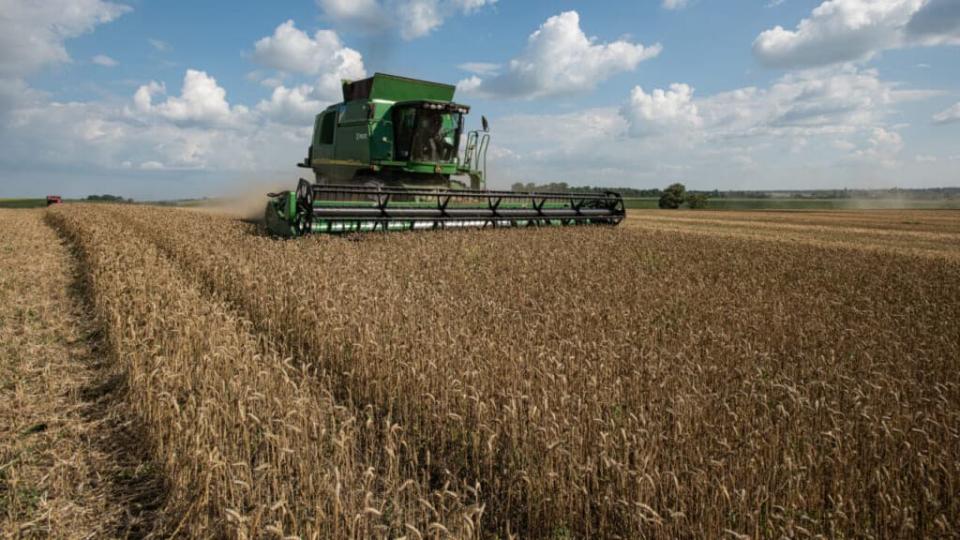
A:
(486, 125)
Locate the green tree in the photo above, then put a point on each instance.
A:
(107, 198)
(673, 196)
(697, 200)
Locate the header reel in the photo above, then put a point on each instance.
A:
(334, 209)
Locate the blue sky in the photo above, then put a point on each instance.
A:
(180, 99)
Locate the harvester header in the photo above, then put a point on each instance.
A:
(389, 157)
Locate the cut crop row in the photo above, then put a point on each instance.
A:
(250, 445)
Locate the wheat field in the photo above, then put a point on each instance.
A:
(687, 374)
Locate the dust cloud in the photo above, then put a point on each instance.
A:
(888, 202)
(249, 199)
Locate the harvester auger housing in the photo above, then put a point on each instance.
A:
(386, 159)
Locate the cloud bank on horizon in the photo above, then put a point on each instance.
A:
(855, 30)
(853, 93)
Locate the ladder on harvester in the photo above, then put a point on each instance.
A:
(475, 158)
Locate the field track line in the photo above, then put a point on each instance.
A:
(201, 353)
(69, 460)
(948, 253)
(289, 345)
(852, 231)
(909, 222)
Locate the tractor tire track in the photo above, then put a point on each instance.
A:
(433, 474)
(70, 459)
(248, 449)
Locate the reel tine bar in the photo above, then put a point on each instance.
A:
(374, 208)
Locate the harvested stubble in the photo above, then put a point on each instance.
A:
(626, 382)
(250, 446)
(925, 232)
(933, 221)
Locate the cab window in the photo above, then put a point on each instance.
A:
(326, 128)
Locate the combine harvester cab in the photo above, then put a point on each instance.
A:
(386, 159)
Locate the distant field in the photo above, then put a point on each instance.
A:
(934, 233)
(809, 204)
(22, 203)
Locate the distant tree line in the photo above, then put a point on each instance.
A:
(656, 193)
(892, 193)
(558, 187)
(108, 198)
(674, 196)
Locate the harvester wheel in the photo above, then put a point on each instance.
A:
(304, 206)
(304, 192)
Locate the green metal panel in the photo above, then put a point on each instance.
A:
(291, 210)
(352, 112)
(353, 132)
(315, 141)
(321, 150)
(381, 131)
(364, 138)
(426, 168)
(393, 88)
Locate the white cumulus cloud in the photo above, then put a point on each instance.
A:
(411, 19)
(159, 45)
(565, 132)
(104, 60)
(560, 58)
(367, 14)
(662, 111)
(674, 4)
(197, 130)
(798, 105)
(854, 30)
(32, 36)
(805, 103)
(324, 56)
(152, 133)
(949, 115)
(882, 147)
(480, 68)
(827, 127)
(32, 33)
(201, 102)
(294, 106)
(936, 23)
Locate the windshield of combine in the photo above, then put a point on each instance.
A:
(428, 135)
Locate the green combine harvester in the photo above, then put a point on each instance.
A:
(386, 158)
